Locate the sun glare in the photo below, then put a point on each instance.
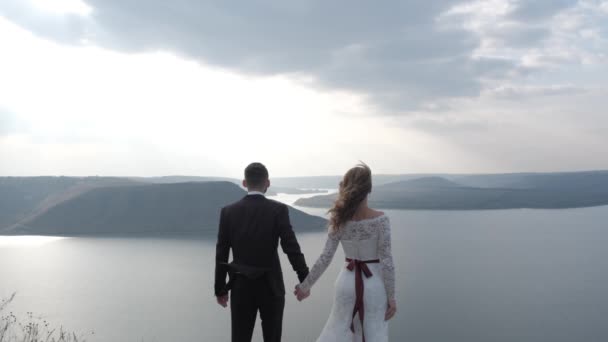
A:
(27, 241)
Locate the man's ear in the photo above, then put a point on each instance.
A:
(267, 184)
(244, 183)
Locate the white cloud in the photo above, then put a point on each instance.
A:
(533, 34)
(62, 6)
(521, 92)
(535, 133)
(482, 90)
(394, 54)
(89, 109)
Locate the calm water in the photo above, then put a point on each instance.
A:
(517, 275)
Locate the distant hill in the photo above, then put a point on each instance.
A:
(432, 182)
(146, 208)
(331, 182)
(548, 191)
(560, 180)
(183, 179)
(71, 205)
(506, 180)
(22, 198)
(273, 190)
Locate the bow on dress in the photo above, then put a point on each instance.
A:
(360, 268)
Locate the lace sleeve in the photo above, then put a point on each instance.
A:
(386, 259)
(322, 262)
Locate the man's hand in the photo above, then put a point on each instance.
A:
(301, 294)
(391, 310)
(222, 300)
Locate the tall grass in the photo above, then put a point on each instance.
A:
(30, 328)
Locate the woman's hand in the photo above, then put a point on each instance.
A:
(300, 294)
(391, 310)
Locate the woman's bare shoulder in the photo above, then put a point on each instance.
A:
(373, 213)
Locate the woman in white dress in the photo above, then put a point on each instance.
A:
(365, 289)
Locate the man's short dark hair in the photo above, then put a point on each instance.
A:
(256, 174)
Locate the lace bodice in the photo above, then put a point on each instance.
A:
(363, 240)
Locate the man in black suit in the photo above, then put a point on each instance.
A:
(252, 228)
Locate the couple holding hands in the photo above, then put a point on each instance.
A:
(253, 227)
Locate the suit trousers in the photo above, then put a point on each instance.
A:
(247, 297)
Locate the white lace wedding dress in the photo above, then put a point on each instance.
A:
(365, 240)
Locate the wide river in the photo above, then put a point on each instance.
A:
(474, 276)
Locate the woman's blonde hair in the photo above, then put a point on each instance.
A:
(354, 188)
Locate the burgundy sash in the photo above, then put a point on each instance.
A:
(359, 267)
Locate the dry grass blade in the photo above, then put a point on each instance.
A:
(31, 328)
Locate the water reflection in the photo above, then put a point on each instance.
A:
(291, 198)
(27, 241)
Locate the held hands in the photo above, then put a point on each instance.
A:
(391, 310)
(301, 294)
(222, 300)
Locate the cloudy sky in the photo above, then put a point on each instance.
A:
(192, 87)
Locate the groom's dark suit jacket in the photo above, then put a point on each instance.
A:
(252, 228)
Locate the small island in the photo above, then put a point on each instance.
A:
(471, 192)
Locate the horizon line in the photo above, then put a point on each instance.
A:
(326, 175)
